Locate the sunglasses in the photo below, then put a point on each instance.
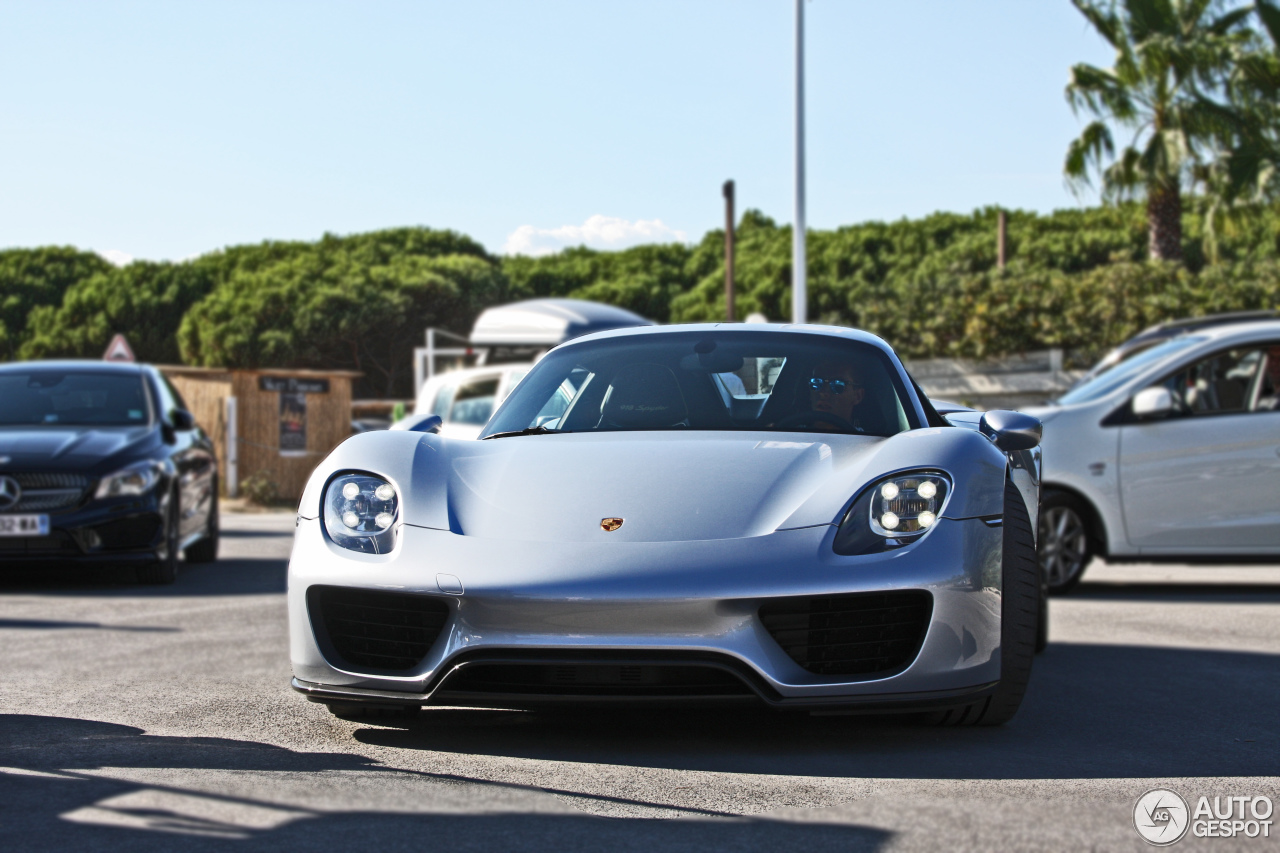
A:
(836, 386)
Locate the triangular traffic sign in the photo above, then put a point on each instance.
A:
(118, 350)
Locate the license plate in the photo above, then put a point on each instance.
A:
(24, 525)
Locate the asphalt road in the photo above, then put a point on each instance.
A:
(141, 717)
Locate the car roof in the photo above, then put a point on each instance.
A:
(1244, 330)
(761, 328)
(77, 365)
(1186, 325)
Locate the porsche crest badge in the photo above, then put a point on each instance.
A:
(608, 525)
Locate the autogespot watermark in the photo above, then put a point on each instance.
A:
(1162, 817)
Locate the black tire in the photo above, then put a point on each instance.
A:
(1066, 542)
(165, 569)
(363, 711)
(1042, 625)
(206, 550)
(1019, 620)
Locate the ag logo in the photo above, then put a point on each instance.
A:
(608, 525)
(10, 492)
(1161, 817)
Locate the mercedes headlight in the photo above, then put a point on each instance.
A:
(894, 512)
(361, 512)
(137, 479)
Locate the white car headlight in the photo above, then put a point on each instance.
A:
(893, 512)
(361, 512)
(137, 479)
(908, 505)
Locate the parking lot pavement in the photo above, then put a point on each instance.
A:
(161, 717)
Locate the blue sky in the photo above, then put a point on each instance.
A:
(165, 130)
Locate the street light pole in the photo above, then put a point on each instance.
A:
(799, 292)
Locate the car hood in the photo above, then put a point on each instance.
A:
(79, 449)
(667, 487)
(664, 488)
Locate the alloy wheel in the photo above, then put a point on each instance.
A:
(1064, 545)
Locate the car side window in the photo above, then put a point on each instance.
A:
(1223, 383)
(1267, 398)
(165, 400)
(473, 402)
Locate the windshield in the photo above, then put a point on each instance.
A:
(711, 380)
(1109, 380)
(67, 398)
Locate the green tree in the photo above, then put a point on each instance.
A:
(145, 301)
(1165, 88)
(357, 303)
(32, 278)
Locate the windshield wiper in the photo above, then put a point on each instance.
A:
(538, 430)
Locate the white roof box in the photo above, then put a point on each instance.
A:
(547, 322)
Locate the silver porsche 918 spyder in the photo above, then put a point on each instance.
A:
(711, 513)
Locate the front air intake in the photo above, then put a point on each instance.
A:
(376, 630)
(865, 635)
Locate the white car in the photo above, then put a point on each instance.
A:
(1170, 455)
(464, 399)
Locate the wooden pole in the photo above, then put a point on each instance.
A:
(1002, 233)
(728, 252)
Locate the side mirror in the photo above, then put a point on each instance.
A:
(419, 423)
(1011, 430)
(183, 421)
(1152, 402)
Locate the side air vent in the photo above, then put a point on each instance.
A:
(377, 630)
(865, 635)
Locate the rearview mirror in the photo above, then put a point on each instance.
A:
(183, 420)
(1011, 430)
(1152, 402)
(419, 423)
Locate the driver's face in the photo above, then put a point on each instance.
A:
(829, 398)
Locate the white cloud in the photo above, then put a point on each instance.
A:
(598, 232)
(116, 257)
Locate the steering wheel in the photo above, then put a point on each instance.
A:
(811, 417)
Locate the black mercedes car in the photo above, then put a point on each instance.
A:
(102, 463)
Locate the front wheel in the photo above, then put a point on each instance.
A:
(165, 569)
(1020, 597)
(1065, 544)
(206, 550)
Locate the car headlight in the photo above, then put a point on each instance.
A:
(361, 512)
(893, 512)
(137, 479)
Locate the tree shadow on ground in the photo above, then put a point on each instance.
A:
(228, 576)
(50, 799)
(1092, 711)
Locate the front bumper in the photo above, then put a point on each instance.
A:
(112, 530)
(654, 603)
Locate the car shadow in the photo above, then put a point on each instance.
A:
(227, 576)
(53, 801)
(1092, 711)
(1216, 593)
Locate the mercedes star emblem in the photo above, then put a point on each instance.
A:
(10, 493)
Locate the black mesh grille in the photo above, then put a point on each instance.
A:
(602, 679)
(870, 635)
(372, 629)
(46, 491)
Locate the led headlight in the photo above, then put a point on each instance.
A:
(893, 512)
(360, 513)
(137, 479)
(907, 506)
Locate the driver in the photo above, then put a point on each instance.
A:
(836, 389)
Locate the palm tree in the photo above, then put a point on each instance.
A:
(1166, 89)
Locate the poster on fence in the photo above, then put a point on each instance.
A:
(293, 424)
